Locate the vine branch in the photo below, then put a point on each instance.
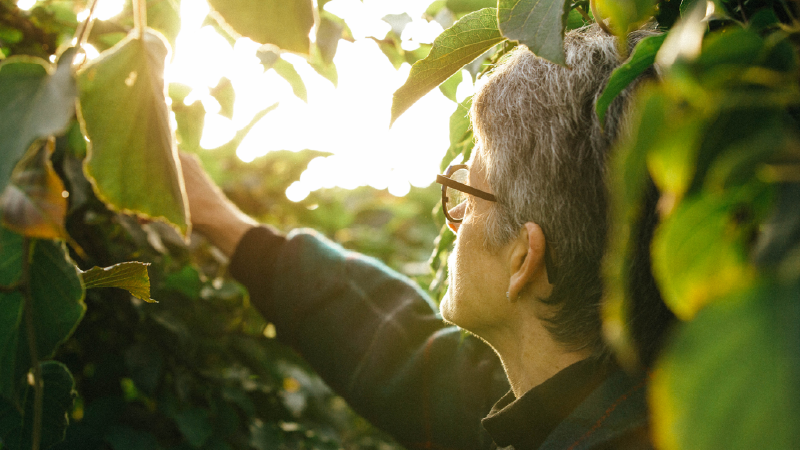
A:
(38, 388)
(140, 16)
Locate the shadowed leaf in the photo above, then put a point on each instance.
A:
(458, 45)
(35, 102)
(730, 378)
(131, 276)
(539, 24)
(33, 204)
(642, 58)
(283, 23)
(132, 158)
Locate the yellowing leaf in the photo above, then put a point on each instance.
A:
(33, 204)
(132, 159)
(131, 276)
(729, 379)
(284, 23)
(539, 24)
(458, 45)
(626, 15)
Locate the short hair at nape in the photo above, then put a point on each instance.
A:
(545, 155)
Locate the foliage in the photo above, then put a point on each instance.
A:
(716, 140)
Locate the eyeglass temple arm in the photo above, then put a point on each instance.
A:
(444, 181)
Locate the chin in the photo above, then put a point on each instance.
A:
(447, 308)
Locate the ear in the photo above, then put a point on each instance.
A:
(528, 266)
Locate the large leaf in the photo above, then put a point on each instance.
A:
(131, 276)
(284, 23)
(57, 306)
(700, 252)
(59, 393)
(539, 24)
(35, 102)
(132, 158)
(33, 203)
(458, 45)
(642, 58)
(731, 378)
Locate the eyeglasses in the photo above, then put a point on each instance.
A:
(454, 204)
(454, 187)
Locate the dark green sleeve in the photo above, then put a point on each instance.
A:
(374, 337)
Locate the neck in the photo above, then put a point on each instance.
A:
(530, 355)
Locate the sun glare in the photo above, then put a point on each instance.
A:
(351, 121)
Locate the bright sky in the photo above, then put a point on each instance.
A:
(351, 121)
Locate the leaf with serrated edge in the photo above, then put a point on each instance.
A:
(131, 276)
(539, 24)
(458, 45)
(132, 160)
(643, 57)
(33, 204)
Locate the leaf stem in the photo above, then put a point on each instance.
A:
(140, 16)
(38, 388)
(586, 17)
(86, 27)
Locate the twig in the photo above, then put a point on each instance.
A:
(38, 388)
(140, 16)
(82, 34)
(586, 17)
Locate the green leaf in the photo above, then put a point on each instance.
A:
(287, 71)
(461, 141)
(539, 24)
(642, 58)
(131, 276)
(35, 102)
(458, 45)
(223, 92)
(626, 15)
(328, 34)
(132, 158)
(731, 378)
(33, 204)
(195, 424)
(467, 6)
(59, 393)
(326, 69)
(283, 23)
(450, 86)
(700, 252)
(57, 307)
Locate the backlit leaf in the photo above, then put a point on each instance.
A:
(328, 34)
(224, 94)
(32, 203)
(132, 158)
(131, 276)
(461, 140)
(731, 378)
(642, 58)
(539, 24)
(287, 71)
(460, 44)
(450, 86)
(626, 15)
(700, 251)
(35, 102)
(283, 23)
(466, 6)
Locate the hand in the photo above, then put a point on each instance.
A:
(212, 214)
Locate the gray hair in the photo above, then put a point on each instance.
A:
(544, 152)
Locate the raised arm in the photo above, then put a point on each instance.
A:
(371, 333)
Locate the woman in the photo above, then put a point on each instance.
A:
(530, 214)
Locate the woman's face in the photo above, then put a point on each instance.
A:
(475, 299)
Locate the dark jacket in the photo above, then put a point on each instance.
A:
(376, 338)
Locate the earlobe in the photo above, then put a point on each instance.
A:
(528, 268)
